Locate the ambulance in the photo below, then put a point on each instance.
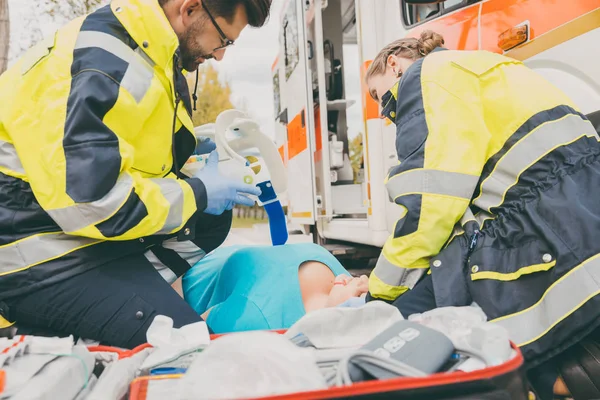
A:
(336, 148)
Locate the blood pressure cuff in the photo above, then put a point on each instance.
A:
(580, 368)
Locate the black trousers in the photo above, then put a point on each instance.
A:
(114, 303)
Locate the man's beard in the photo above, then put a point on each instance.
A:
(189, 47)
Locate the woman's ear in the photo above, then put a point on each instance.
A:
(392, 64)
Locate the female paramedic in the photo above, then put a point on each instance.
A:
(240, 288)
(499, 177)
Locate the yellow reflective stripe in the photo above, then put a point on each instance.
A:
(511, 276)
(82, 215)
(395, 276)
(9, 158)
(527, 152)
(173, 192)
(432, 181)
(394, 90)
(562, 298)
(4, 323)
(33, 250)
(381, 290)
(139, 74)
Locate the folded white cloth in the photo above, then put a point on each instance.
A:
(470, 332)
(116, 377)
(171, 343)
(49, 377)
(22, 345)
(250, 365)
(331, 328)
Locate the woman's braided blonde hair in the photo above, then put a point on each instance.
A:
(410, 48)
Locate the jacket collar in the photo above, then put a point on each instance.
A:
(147, 24)
(389, 103)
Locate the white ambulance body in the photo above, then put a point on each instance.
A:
(322, 106)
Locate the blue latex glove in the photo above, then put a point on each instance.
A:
(204, 146)
(223, 193)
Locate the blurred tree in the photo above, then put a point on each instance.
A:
(70, 9)
(213, 96)
(4, 34)
(51, 14)
(355, 148)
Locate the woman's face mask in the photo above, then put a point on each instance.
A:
(388, 103)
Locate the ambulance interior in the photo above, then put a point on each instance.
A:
(344, 114)
(346, 187)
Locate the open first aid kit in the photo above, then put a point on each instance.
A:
(369, 352)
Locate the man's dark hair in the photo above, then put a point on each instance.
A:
(256, 10)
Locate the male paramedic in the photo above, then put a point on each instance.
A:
(94, 127)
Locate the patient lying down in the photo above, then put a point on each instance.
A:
(242, 288)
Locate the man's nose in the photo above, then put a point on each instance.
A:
(219, 54)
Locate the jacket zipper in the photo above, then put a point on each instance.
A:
(177, 100)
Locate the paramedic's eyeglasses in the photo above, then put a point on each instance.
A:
(226, 41)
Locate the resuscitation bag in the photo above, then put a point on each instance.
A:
(247, 154)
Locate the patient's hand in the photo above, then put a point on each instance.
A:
(345, 287)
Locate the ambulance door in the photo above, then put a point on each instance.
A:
(296, 89)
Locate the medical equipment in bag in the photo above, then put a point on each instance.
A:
(247, 154)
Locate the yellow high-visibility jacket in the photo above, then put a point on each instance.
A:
(88, 135)
(485, 143)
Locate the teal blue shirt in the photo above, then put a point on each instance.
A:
(252, 287)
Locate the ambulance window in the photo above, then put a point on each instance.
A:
(414, 14)
(451, 5)
(290, 40)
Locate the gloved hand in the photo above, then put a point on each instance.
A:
(222, 192)
(354, 302)
(205, 145)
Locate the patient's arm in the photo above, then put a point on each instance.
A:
(205, 315)
(316, 281)
(321, 289)
(177, 287)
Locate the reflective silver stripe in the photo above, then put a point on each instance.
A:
(394, 275)
(526, 152)
(137, 81)
(37, 249)
(562, 298)
(161, 268)
(9, 158)
(467, 216)
(81, 215)
(186, 250)
(138, 77)
(432, 181)
(173, 192)
(145, 56)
